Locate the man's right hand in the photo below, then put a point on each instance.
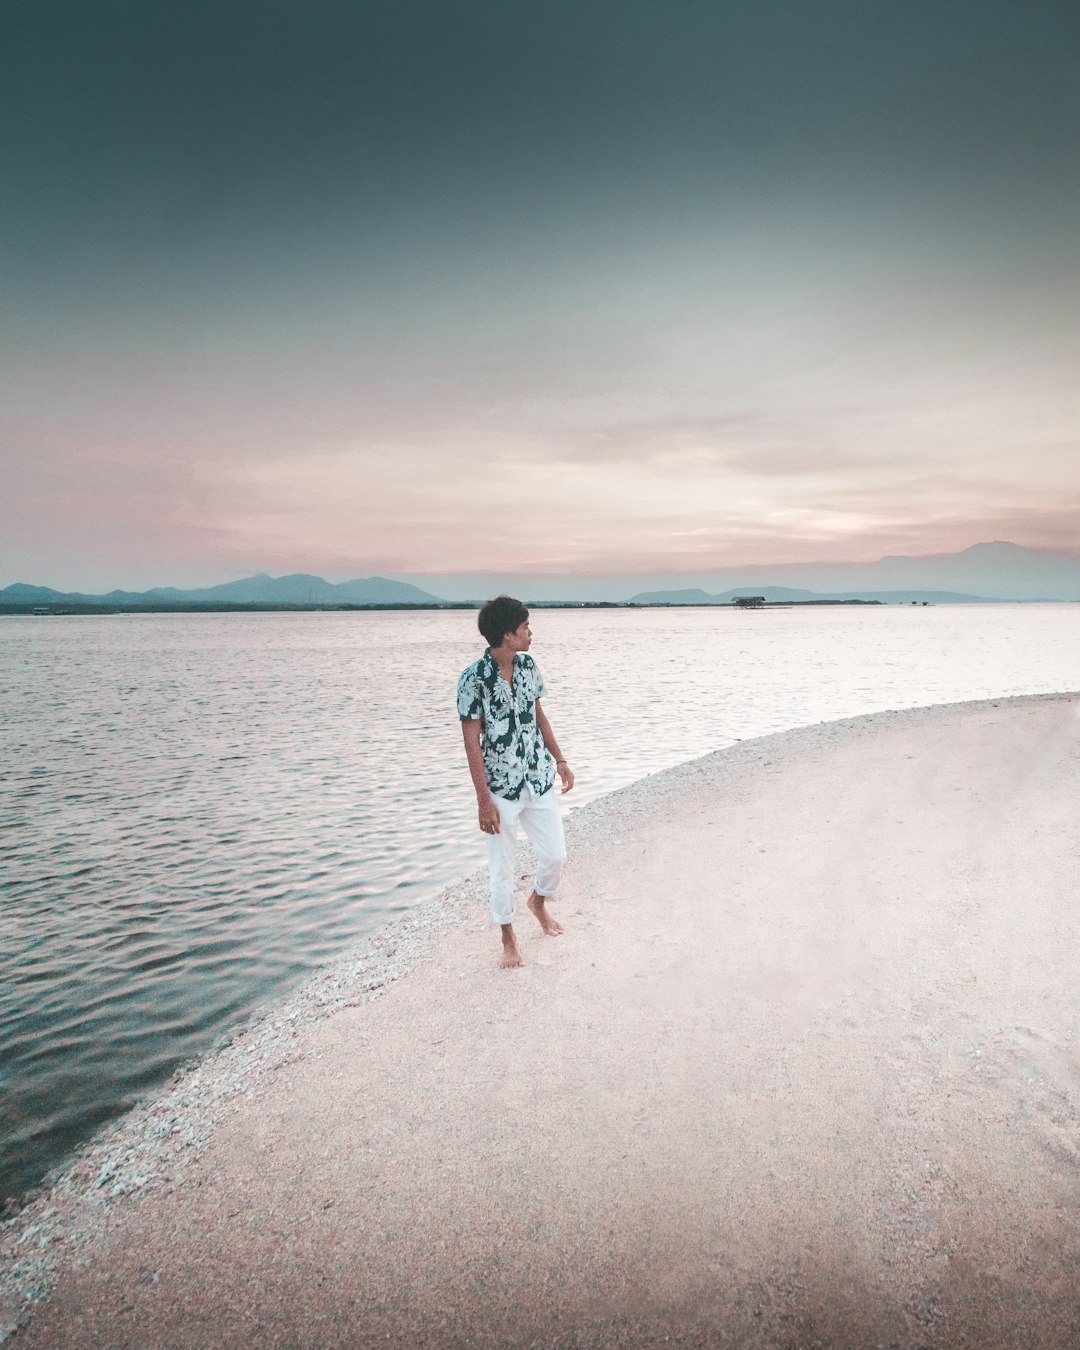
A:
(489, 817)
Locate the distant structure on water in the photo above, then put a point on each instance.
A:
(748, 601)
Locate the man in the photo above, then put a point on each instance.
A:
(513, 759)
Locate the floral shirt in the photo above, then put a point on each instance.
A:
(514, 750)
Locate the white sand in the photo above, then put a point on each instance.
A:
(803, 1071)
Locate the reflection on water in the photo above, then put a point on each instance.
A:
(196, 811)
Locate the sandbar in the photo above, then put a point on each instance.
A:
(803, 1071)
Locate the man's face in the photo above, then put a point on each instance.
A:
(521, 637)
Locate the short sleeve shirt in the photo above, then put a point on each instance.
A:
(513, 748)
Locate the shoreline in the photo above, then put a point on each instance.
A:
(149, 1151)
(932, 599)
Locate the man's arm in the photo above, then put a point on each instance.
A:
(486, 808)
(561, 767)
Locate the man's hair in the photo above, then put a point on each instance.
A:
(500, 616)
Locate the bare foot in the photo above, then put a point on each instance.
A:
(511, 957)
(550, 926)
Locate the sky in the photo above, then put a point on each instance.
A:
(405, 286)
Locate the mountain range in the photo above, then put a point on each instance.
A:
(787, 595)
(990, 571)
(262, 589)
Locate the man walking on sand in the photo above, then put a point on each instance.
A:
(513, 759)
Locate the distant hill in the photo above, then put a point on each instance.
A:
(263, 589)
(301, 588)
(998, 570)
(696, 596)
(784, 595)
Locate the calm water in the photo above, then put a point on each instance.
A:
(198, 811)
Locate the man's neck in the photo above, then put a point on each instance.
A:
(503, 657)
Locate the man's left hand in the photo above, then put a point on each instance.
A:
(566, 775)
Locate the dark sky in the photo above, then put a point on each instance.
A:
(255, 255)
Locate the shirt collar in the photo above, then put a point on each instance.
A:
(491, 666)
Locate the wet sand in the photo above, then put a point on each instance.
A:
(803, 1071)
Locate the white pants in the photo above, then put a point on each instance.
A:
(540, 819)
